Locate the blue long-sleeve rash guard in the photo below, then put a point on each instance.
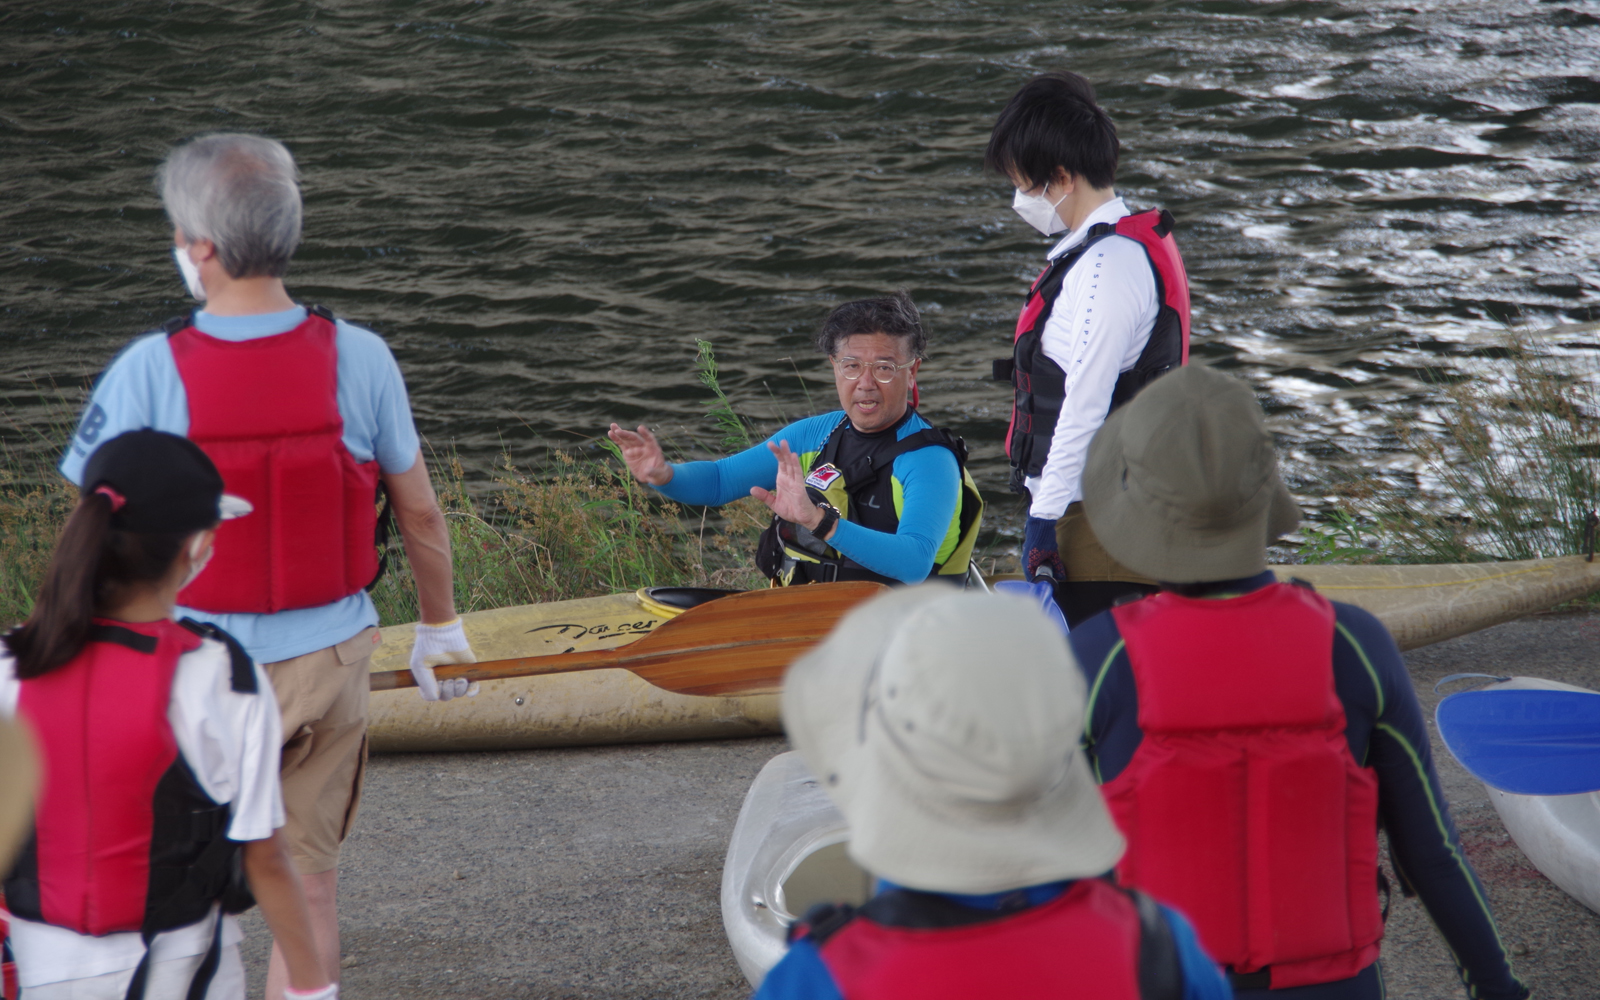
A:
(930, 481)
(1384, 726)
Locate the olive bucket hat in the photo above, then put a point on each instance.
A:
(1182, 483)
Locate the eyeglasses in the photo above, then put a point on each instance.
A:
(883, 371)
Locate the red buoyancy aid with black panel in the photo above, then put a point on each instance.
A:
(1243, 807)
(266, 411)
(1094, 940)
(125, 839)
(1040, 384)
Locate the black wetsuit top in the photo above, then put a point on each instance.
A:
(1386, 731)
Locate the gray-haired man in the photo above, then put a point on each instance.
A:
(304, 416)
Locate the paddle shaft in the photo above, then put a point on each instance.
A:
(562, 663)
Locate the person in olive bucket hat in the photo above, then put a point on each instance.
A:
(944, 725)
(1250, 735)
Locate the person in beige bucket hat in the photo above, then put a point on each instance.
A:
(1249, 734)
(945, 726)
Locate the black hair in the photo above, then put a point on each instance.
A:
(895, 315)
(1053, 121)
(91, 565)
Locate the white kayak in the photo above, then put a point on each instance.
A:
(1560, 834)
(787, 854)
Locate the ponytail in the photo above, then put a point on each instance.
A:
(59, 625)
(91, 565)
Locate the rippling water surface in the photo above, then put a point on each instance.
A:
(542, 205)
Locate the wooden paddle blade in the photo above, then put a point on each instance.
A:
(735, 645)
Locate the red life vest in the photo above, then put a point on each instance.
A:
(1243, 807)
(1039, 383)
(124, 837)
(1086, 942)
(267, 413)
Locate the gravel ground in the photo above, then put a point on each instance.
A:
(594, 872)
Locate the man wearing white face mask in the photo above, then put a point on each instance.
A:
(1109, 313)
(304, 416)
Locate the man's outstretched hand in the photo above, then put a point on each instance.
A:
(790, 500)
(643, 454)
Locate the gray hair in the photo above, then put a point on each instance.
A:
(241, 192)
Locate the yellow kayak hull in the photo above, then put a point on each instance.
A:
(1418, 604)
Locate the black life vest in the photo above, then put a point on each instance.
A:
(862, 490)
(125, 839)
(1041, 385)
(1094, 940)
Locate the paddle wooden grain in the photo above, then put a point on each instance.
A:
(735, 645)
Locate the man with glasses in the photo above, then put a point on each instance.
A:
(871, 491)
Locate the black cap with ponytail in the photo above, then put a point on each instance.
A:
(92, 564)
(145, 494)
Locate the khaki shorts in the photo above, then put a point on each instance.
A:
(1086, 560)
(323, 699)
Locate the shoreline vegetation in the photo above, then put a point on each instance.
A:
(1508, 469)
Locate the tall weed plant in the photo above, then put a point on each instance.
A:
(1510, 470)
(734, 427)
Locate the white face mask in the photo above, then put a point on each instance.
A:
(198, 560)
(191, 273)
(1039, 211)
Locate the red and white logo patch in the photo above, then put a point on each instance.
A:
(823, 476)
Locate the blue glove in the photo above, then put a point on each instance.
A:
(1040, 558)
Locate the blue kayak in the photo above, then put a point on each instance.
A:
(1526, 741)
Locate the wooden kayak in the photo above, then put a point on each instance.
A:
(1419, 604)
(1427, 604)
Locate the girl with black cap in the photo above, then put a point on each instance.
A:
(159, 808)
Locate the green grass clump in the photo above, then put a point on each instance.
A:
(1511, 470)
(582, 529)
(34, 504)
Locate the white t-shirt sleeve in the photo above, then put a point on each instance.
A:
(1099, 326)
(10, 687)
(231, 740)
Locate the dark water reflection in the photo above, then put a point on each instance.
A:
(542, 205)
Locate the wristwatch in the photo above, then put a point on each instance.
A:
(830, 517)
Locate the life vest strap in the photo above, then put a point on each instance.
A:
(125, 637)
(242, 668)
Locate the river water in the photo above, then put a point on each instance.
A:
(543, 205)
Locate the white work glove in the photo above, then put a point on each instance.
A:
(328, 992)
(437, 645)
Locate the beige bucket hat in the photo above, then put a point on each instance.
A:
(1182, 483)
(945, 727)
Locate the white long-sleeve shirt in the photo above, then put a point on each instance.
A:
(1096, 331)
